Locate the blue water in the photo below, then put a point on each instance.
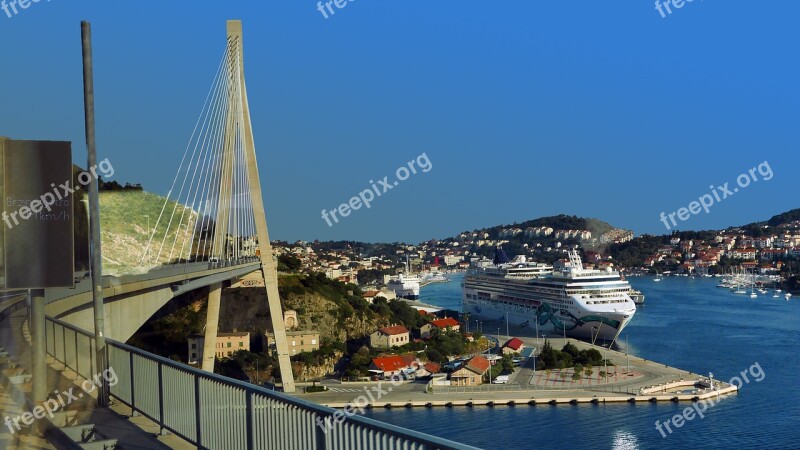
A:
(686, 323)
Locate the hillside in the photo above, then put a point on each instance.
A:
(561, 222)
(125, 217)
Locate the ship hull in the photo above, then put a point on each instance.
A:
(587, 325)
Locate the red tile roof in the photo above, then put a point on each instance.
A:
(514, 344)
(446, 322)
(389, 363)
(394, 330)
(478, 364)
(409, 360)
(432, 367)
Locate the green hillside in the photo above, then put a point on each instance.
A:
(124, 220)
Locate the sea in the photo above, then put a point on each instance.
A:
(687, 323)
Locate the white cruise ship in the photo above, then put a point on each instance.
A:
(405, 286)
(582, 303)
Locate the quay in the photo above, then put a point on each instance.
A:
(630, 379)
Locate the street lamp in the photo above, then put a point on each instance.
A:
(627, 357)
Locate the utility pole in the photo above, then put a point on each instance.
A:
(94, 212)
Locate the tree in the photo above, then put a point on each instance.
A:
(576, 376)
(289, 263)
(507, 364)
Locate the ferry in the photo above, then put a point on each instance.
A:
(405, 286)
(581, 303)
(636, 296)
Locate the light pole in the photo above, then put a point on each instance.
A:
(594, 336)
(507, 335)
(598, 331)
(537, 328)
(627, 358)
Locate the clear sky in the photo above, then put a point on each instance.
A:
(524, 109)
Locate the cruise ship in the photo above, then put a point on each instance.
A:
(581, 303)
(405, 286)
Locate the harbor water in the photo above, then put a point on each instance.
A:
(686, 323)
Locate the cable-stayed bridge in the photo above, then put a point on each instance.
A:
(211, 228)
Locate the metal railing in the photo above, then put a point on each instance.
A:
(215, 412)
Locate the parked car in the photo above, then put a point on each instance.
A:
(501, 379)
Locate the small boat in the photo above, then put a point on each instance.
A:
(788, 296)
(775, 295)
(657, 278)
(636, 296)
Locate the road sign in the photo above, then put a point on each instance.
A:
(37, 218)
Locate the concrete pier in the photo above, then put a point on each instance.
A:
(630, 379)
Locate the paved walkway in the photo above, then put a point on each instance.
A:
(114, 422)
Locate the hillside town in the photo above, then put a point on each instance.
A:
(403, 338)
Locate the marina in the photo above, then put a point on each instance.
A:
(688, 323)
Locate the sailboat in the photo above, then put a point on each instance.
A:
(738, 288)
(753, 287)
(658, 277)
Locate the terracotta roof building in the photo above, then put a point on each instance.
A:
(447, 323)
(514, 345)
(471, 374)
(388, 337)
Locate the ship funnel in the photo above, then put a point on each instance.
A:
(500, 256)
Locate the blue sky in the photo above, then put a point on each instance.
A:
(525, 109)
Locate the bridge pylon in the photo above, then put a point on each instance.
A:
(268, 265)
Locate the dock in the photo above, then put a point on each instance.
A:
(630, 379)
